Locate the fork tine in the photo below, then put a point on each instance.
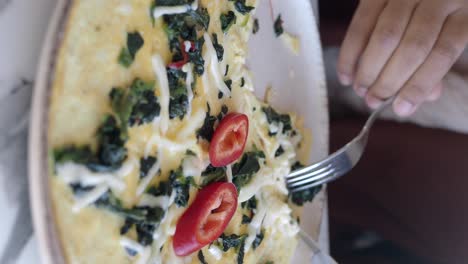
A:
(311, 178)
(308, 169)
(325, 178)
(308, 173)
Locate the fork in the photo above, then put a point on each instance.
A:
(338, 163)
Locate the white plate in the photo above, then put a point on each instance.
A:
(271, 62)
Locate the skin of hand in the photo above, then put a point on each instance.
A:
(402, 48)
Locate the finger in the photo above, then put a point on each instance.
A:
(356, 38)
(417, 42)
(449, 46)
(383, 42)
(436, 92)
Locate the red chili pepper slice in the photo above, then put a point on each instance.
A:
(229, 139)
(206, 218)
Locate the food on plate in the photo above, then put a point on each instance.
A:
(160, 152)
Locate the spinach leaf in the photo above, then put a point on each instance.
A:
(258, 239)
(145, 165)
(145, 233)
(79, 189)
(243, 171)
(213, 174)
(273, 117)
(224, 110)
(127, 226)
(227, 20)
(138, 105)
(307, 195)
(232, 241)
(242, 82)
(228, 83)
(136, 214)
(279, 151)
(240, 255)
(186, 26)
(256, 26)
(227, 70)
(278, 26)
(200, 17)
(297, 165)
(250, 204)
(246, 219)
(81, 154)
(218, 47)
(178, 102)
(125, 59)
(299, 198)
(189, 152)
(196, 57)
(172, 2)
(134, 43)
(241, 7)
(164, 189)
(269, 262)
(207, 129)
(145, 219)
(181, 185)
(201, 257)
(110, 154)
(111, 150)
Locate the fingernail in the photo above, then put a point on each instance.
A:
(345, 79)
(361, 91)
(403, 107)
(373, 102)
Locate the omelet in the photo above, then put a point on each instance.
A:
(139, 89)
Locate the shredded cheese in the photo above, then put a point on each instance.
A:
(215, 252)
(255, 225)
(172, 10)
(89, 198)
(212, 59)
(71, 173)
(192, 166)
(149, 177)
(160, 71)
(131, 244)
(154, 201)
(229, 172)
(144, 256)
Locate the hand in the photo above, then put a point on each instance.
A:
(403, 48)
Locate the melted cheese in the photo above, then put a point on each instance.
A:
(161, 74)
(170, 10)
(154, 201)
(229, 172)
(71, 172)
(215, 252)
(192, 166)
(212, 63)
